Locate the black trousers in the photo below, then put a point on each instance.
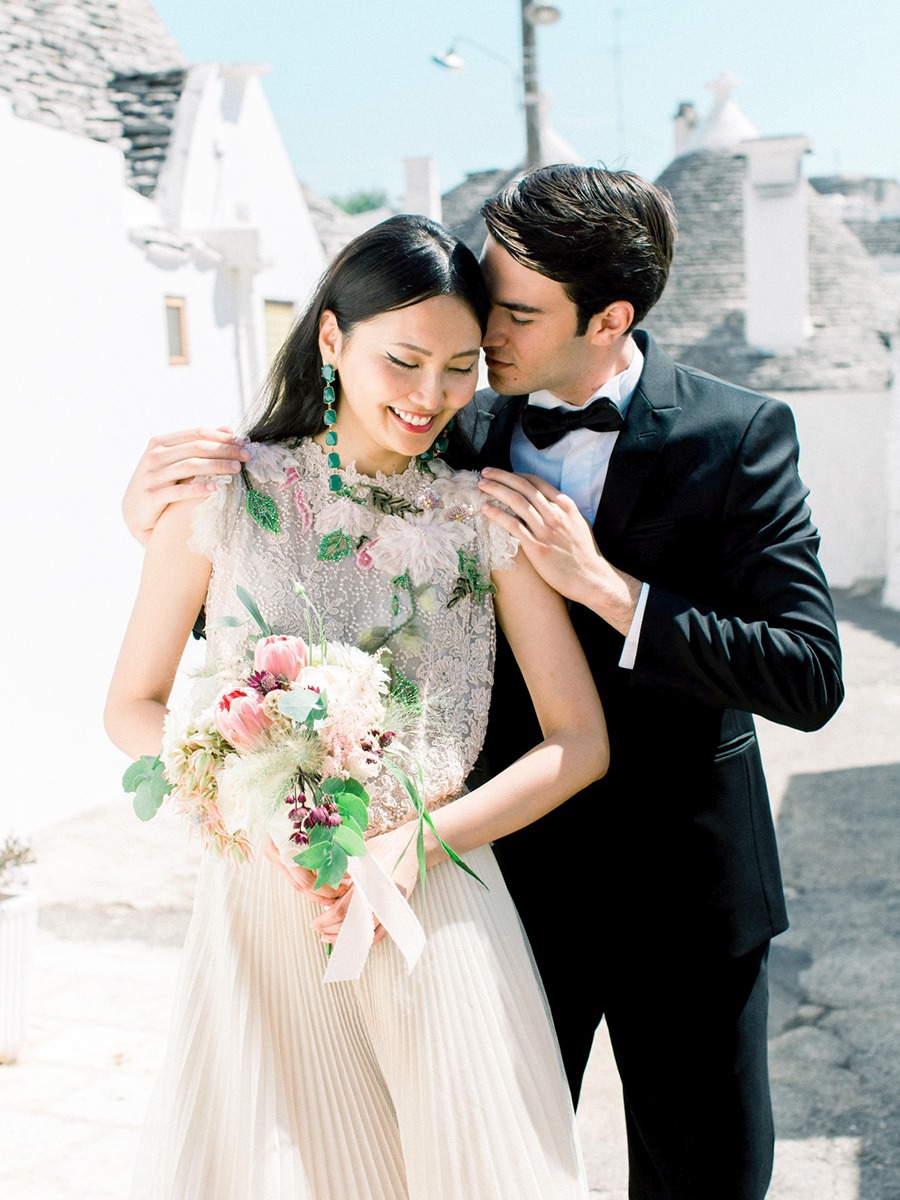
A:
(688, 1030)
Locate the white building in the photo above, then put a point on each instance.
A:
(154, 237)
(771, 290)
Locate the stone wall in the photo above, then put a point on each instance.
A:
(146, 105)
(700, 318)
(104, 69)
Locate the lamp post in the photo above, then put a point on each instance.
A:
(532, 16)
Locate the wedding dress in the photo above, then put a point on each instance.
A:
(440, 1084)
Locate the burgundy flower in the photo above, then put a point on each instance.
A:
(264, 682)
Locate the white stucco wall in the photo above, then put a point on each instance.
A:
(85, 381)
(891, 593)
(844, 463)
(228, 179)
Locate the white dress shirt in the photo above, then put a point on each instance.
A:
(577, 464)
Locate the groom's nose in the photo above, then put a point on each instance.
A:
(494, 335)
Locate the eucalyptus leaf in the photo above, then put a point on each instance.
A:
(334, 784)
(335, 867)
(349, 823)
(303, 706)
(349, 841)
(146, 780)
(313, 857)
(352, 808)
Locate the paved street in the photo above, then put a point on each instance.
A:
(115, 896)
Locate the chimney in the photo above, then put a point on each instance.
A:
(685, 120)
(776, 242)
(423, 193)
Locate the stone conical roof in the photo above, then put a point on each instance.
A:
(700, 318)
(104, 69)
(725, 125)
(461, 205)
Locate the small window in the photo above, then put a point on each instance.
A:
(176, 331)
(279, 317)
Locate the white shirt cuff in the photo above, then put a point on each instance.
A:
(629, 650)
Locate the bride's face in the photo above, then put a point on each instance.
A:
(403, 375)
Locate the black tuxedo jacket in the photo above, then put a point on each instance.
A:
(703, 502)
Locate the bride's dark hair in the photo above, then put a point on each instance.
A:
(401, 261)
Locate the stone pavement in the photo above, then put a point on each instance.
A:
(115, 896)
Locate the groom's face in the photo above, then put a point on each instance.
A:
(531, 344)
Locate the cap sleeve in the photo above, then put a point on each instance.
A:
(215, 520)
(496, 547)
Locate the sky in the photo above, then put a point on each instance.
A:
(355, 92)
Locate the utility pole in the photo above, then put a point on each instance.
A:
(531, 91)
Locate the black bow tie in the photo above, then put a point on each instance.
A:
(544, 426)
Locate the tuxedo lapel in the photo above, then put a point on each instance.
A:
(496, 425)
(651, 415)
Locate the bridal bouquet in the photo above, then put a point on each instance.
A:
(285, 746)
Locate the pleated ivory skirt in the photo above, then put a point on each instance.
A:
(442, 1084)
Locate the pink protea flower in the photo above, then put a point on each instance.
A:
(241, 718)
(281, 655)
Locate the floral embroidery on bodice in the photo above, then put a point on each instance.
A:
(409, 572)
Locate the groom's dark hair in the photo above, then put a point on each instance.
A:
(604, 235)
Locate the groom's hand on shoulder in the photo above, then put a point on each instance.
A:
(560, 545)
(175, 467)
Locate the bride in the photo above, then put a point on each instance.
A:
(443, 1083)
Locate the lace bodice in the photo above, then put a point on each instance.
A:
(409, 568)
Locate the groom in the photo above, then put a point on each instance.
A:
(666, 506)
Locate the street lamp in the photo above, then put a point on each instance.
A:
(533, 15)
(455, 62)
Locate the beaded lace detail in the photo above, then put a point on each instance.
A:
(446, 647)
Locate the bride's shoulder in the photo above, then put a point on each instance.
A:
(449, 479)
(249, 494)
(270, 462)
(461, 499)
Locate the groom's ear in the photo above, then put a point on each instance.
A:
(606, 327)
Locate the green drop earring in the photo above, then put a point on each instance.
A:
(335, 483)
